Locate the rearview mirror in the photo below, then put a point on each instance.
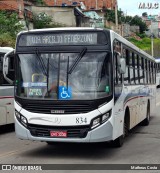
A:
(122, 66)
(121, 63)
(6, 66)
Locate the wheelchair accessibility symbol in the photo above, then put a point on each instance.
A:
(65, 93)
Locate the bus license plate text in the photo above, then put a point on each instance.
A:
(62, 134)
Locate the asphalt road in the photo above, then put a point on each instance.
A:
(142, 146)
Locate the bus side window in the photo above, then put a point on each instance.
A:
(126, 75)
(1, 69)
(141, 70)
(136, 76)
(155, 72)
(117, 76)
(145, 71)
(131, 67)
(152, 72)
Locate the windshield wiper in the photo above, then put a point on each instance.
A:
(67, 70)
(75, 63)
(44, 70)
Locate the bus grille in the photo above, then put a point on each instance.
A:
(44, 131)
(58, 108)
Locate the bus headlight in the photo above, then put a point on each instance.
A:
(18, 116)
(100, 119)
(105, 116)
(24, 121)
(21, 118)
(96, 122)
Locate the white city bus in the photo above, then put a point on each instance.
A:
(80, 85)
(6, 91)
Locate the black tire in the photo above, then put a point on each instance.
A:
(120, 140)
(50, 143)
(126, 128)
(146, 121)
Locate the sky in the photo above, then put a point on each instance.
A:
(130, 7)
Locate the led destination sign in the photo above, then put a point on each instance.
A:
(59, 39)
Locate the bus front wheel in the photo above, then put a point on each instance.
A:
(145, 122)
(120, 140)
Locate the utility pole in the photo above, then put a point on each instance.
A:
(96, 4)
(152, 53)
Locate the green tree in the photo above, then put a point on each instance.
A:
(40, 2)
(138, 21)
(6, 40)
(144, 14)
(9, 27)
(127, 19)
(41, 20)
(9, 23)
(110, 16)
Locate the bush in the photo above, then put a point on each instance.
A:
(9, 23)
(7, 40)
(141, 35)
(41, 20)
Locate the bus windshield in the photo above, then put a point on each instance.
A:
(46, 76)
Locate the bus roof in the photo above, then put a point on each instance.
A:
(62, 29)
(128, 43)
(5, 49)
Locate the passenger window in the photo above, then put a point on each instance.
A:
(131, 68)
(126, 75)
(141, 70)
(118, 76)
(136, 68)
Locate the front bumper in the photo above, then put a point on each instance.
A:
(102, 133)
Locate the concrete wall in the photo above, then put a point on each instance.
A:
(124, 30)
(61, 15)
(135, 29)
(153, 29)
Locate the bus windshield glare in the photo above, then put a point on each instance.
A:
(48, 76)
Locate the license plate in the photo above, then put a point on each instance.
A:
(60, 134)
